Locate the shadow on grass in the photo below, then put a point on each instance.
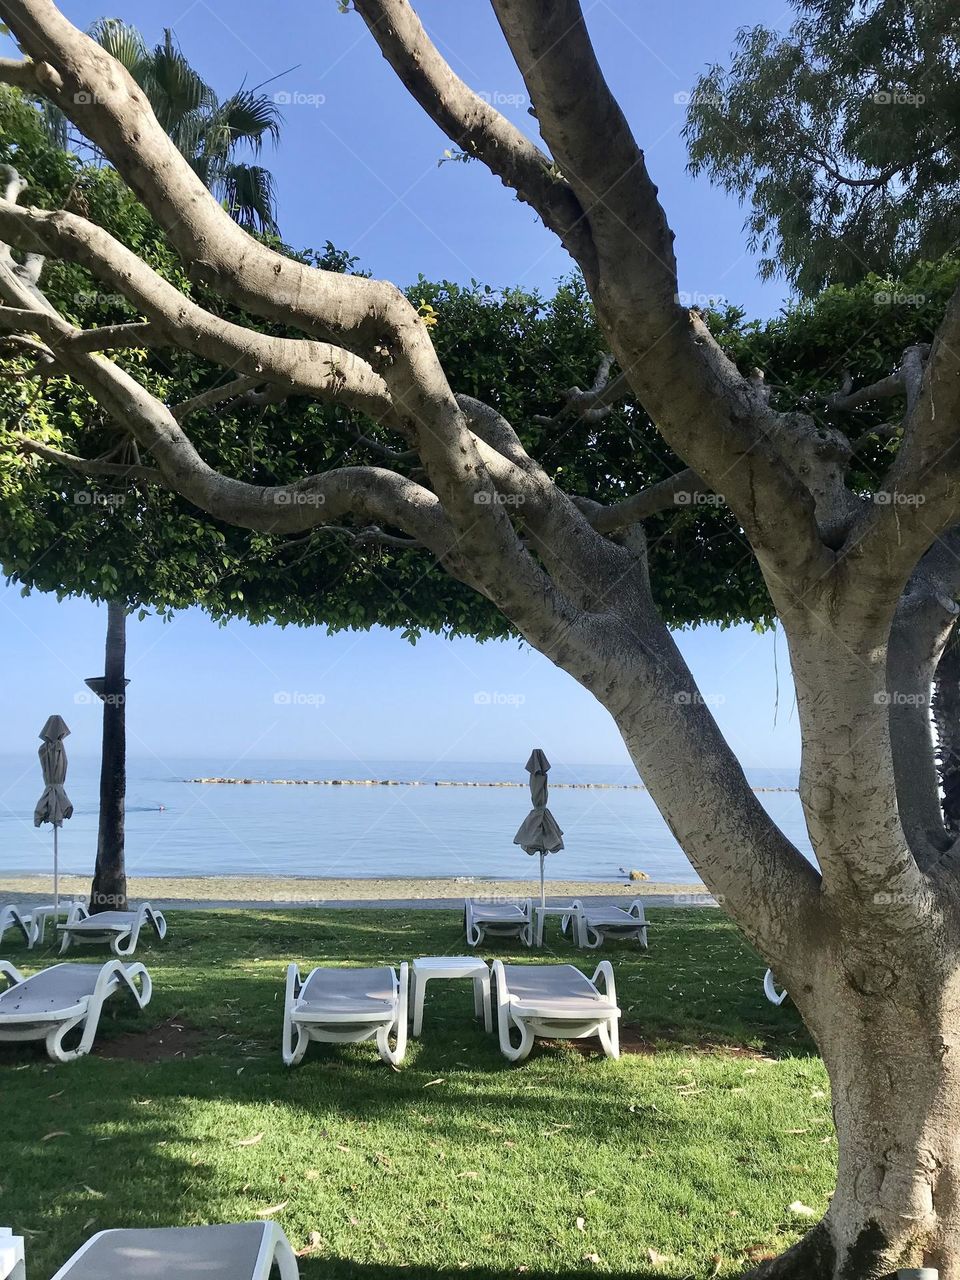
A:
(122, 1142)
(344, 1269)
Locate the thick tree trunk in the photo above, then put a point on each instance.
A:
(877, 982)
(896, 1102)
(109, 891)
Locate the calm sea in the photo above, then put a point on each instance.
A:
(177, 828)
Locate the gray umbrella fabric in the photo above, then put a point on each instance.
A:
(54, 805)
(539, 832)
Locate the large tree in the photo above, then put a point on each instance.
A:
(863, 579)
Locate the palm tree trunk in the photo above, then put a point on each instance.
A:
(109, 891)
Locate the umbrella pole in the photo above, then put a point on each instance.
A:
(543, 900)
(56, 872)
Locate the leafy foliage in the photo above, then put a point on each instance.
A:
(205, 130)
(512, 348)
(842, 135)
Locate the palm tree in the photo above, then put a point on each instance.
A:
(207, 131)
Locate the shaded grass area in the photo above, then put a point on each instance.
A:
(681, 1159)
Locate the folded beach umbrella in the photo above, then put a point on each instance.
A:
(54, 805)
(539, 831)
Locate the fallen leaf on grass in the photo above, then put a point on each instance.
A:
(97, 1195)
(581, 1224)
(430, 1083)
(468, 1173)
(592, 1257)
(758, 1253)
(658, 1259)
(274, 1208)
(57, 1133)
(315, 1243)
(251, 1141)
(802, 1210)
(311, 1175)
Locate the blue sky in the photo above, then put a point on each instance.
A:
(358, 165)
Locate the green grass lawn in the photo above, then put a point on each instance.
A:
(682, 1159)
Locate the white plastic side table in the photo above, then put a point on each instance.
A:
(541, 913)
(12, 1266)
(429, 967)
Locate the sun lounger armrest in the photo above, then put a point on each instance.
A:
(129, 973)
(527, 908)
(604, 972)
(76, 913)
(294, 984)
(156, 918)
(11, 973)
(636, 909)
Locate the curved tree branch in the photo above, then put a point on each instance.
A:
(477, 127)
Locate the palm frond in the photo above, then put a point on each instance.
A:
(249, 195)
(122, 41)
(176, 91)
(249, 117)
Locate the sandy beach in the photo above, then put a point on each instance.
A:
(291, 891)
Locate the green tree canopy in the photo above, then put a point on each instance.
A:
(513, 348)
(842, 135)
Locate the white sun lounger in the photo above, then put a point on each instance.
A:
(52, 1003)
(345, 1006)
(120, 928)
(592, 924)
(240, 1251)
(499, 919)
(770, 989)
(556, 1001)
(12, 917)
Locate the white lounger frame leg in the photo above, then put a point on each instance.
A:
(506, 1021)
(383, 1033)
(277, 1250)
(113, 972)
(609, 1029)
(121, 944)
